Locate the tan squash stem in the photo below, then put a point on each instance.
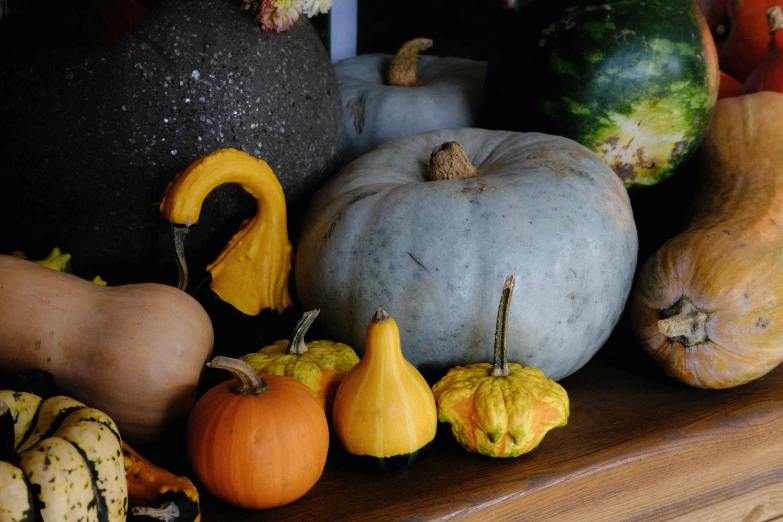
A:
(404, 66)
(248, 383)
(449, 161)
(297, 345)
(684, 323)
(168, 512)
(179, 249)
(775, 18)
(500, 366)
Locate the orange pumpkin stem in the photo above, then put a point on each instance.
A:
(297, 345)
(684, 323)
(500, 366)
(404, 67)
(248, 383)
(449, 161)
(168, 512)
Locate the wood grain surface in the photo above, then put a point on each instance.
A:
(638, 446)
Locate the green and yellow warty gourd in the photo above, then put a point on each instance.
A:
(320, 365)
(502, 409)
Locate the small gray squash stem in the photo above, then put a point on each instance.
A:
(297, 345)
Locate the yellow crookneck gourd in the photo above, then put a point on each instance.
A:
(501, 409)
(321, 365)
(384, 409)
(251, 273)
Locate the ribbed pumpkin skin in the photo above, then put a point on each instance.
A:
(384, 407)
(258, 451)
(728, 260)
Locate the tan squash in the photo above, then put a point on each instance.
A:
(707, 305)
(251, 273)
(135, 352)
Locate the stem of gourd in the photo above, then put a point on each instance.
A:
(168, 512)
(775, 19)
(449, 161)
(248, 383)
(404, 66)
(297, 345)
(500, 366)
(381, 316)
(179, 248)
(684, 323)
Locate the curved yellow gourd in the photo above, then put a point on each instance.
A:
(251, 273)
(384, 407)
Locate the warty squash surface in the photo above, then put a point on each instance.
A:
(433, 252)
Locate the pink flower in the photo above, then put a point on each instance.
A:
(279, 15)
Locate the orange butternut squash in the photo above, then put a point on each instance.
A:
(707, 305)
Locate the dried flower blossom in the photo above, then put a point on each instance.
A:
(315, 7)
(254, 6)
(279, 15)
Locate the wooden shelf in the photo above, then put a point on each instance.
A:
(638, 446)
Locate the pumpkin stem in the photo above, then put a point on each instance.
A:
(500, 367)
(684, 323)
(168, 512)
(404, 66)
(248, 383)
(449, 161)
(775, 18)
(297, 345)
(179, 249)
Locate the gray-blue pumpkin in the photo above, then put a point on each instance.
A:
(435, 253)
(387, 97)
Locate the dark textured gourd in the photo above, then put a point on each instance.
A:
(92, 136)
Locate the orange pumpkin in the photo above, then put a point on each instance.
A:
(257, 443)
(706, 305)
(748, 37)
(768, 76)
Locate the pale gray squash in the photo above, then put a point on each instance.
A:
(386, 97)
(435, 254)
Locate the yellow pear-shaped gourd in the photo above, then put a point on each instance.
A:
(384, 409)
(320, 365)
(251, 273)
(500, 409)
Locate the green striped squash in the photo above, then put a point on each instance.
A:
(59, 461)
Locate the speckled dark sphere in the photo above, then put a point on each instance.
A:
(89, 138)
